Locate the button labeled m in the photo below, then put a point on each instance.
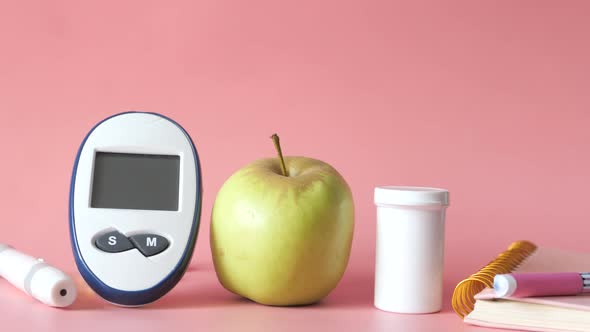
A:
(151, 241)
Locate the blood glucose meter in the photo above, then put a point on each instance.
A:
(135, 205)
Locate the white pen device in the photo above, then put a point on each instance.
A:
(36, 278)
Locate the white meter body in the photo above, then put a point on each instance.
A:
(135, 205)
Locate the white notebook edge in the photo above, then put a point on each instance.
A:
(555, 301)
(482, 323)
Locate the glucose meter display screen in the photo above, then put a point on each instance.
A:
(135, 181)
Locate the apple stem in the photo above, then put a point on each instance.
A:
(275, 140)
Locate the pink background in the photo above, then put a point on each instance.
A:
(489, 100)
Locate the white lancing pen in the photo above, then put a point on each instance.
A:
(33, 276)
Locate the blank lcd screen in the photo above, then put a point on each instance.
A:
(135, 181)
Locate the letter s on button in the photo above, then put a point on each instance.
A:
(113, 242)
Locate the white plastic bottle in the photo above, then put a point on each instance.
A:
(410, 248)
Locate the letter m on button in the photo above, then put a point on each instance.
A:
(151, 241)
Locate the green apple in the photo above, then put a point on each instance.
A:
(281, 230)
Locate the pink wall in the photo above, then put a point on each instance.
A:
(488, 100)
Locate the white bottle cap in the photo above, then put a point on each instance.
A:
(391, 195)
